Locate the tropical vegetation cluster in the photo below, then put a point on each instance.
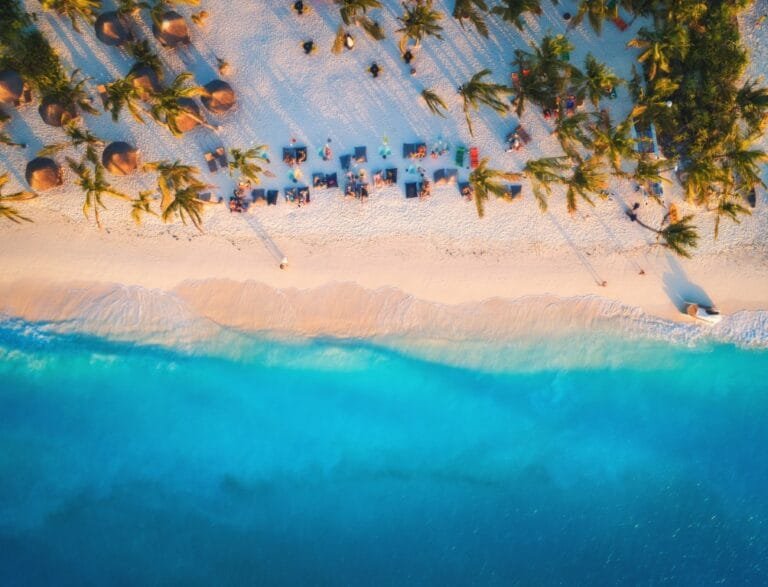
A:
(687, 86)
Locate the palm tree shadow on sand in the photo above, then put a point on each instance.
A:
(680, 289)
(269, 243)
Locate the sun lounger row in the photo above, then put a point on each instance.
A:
(414, 150)
(325, 180)
(294, 155)
(219, 156)
(446, 176)
(360, 155)
(297, 195)
(356, 188)
(269, 196)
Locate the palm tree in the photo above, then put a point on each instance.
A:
(680, 236)
(570, 133)
(356, 12)
(122, 93)
(5, 138)
(186, 203)
(71, 92)
(513, 10)
(698, 179)
(131, 7)
(649, 171)
(753, 105)
(339, 40)
(72, 9)
(543, 173)
(94, 185)
(472, 10)
(141, 205)
(486, 181)
(434, 102)
(587, 179)
(419, 21)
(596, 12)
(477, 92)
(729, 208)
(244, 161)
(658, 47)
(613, 143)
(76, 137)
(172, 177)
(145, 57)
(9, 212)
(597, 80)
(165, 106)
(744, 163)
(160, 7)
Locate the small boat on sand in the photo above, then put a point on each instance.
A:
(708, 314)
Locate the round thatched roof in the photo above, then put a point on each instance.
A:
(120, 158)
(219, 96)
(11, 87)
(184, 122)
(54, 113)
(171, 30)
(112, 29)
(43, 174)
(145, 80)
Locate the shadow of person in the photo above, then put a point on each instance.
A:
(680, 289)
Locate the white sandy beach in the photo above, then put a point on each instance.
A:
(389, 265)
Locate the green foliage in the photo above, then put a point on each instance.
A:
(476, 92)
(356, 12)
(513, 10)
(91, 179)
(543, 74)
(10, 212)
(180, 189)
(486, 181)
(543, 173)
(165, 108)
(596, 12)
(74, 9)
(434, 102)
(246, 162)
(472, 10)
(587, 179)
(419, 20)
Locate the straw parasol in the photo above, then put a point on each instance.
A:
(120, 158)
(145, 80)
(113, 29)
(11, 87)
(43, 174)
(55, 113)
(219, 96)
(184, 122)
(171, 30)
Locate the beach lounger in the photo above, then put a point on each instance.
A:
(346, 162)
(474, 157)
(258, 196)
(390, 176)
(439, 176)
(210, 198)
(318, 180)
(361, 155)
(289, 155)
(466, 190)
(616, 19)
(331, 180)
(412, 189)
(378, 178)
(221, 157)
(408, 150)
(211, 161)
(302, 195)
(513, 191)
(414, 150)
(290, 194)
(350, 188)
(272, 197)
(460, 155)
(451, 176)
(301, 155)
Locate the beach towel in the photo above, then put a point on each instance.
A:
(346, 162)
(474, 157)
(390, 175)
(361, 154)
(460, 153)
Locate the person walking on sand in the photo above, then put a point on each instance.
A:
(374, 69)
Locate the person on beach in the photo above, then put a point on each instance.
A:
(374, 69)
(349, 41)
(308, 46)
(407, 57)
(298, 6)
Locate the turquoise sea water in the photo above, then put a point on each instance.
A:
(327, 463)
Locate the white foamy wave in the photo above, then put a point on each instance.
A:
(218, 312)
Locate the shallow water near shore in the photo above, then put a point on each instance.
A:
(347, 462)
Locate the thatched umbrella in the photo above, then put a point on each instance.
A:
(11, 87)
(120, 158)
(171, 30)
(112, 29)
(43, 174)
(184, 122)
(55, 113)
(145, 80)
(219, 96)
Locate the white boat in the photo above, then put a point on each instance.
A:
(708, 314)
